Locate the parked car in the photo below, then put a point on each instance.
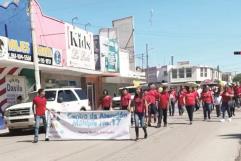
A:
(20, 116)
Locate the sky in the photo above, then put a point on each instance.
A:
(204, 32)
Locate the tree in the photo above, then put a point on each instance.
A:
(237, 78)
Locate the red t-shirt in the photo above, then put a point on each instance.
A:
(239, 90)
(180, 99)
(163, 100)
(106, 101)
(226, 98)
(125, 100)
(236, 90)
(207, 97)
(153, 94)
(190, 99)
(139, 104)
(40, 105)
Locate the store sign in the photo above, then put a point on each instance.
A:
(80, 48)
(45, 55)
(109, 54)
(89, 125)
(20, 50)
(3, 47)
(15, 86)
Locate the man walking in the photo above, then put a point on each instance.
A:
(39, 109)
(163, 107)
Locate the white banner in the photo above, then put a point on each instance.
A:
(80, 47)
(89, 125)
(3, 47)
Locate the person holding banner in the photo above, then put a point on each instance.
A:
(140, 111)
(39, 109)
(106, 101)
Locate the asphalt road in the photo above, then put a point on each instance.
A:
(202, 141)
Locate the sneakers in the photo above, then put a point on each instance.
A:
(229, 120)
(222, 120)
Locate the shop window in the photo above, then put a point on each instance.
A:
(174, 73)
(189, 72)
(181, 73)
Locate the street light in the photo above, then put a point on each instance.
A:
(74, 19)
(86, 25)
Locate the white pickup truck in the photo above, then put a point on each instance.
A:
(20, 116)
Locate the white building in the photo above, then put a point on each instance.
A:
(185, 72)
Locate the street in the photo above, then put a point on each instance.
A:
(209, 141)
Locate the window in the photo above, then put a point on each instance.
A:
(174, 73)
(188, 72)
(201, 72)
(181, 73)
(81, 94)
(66, 96)
(206, 72)
(50, 95)
(165, 73)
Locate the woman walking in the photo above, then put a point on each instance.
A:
(106, 101)
(207, 99)
(139, 112)
(217, 102)
(180, 100)
(226, 98)
(190, 101)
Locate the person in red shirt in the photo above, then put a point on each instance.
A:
(125, 100)
(139, 112)
(152, 109)
(106, 101)
(207, 99)
(226, 98)
(190, 101)
(173, 97)
(180, 101)
(39, 109)
(197, 106)
(237, 94)
(164, 102)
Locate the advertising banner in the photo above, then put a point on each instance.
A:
(80, 48)
(45, 55)
(3, 47)
(89, 125)
(15, 86)
(20, 50)
(109, 54)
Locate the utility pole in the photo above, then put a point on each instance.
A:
(147, 64)
(35, 54)
(142, 61)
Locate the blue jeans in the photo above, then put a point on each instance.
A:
(37, 125)
(139, 119)
(207, 107)
(226, 107)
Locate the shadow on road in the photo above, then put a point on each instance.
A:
(231, 136)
